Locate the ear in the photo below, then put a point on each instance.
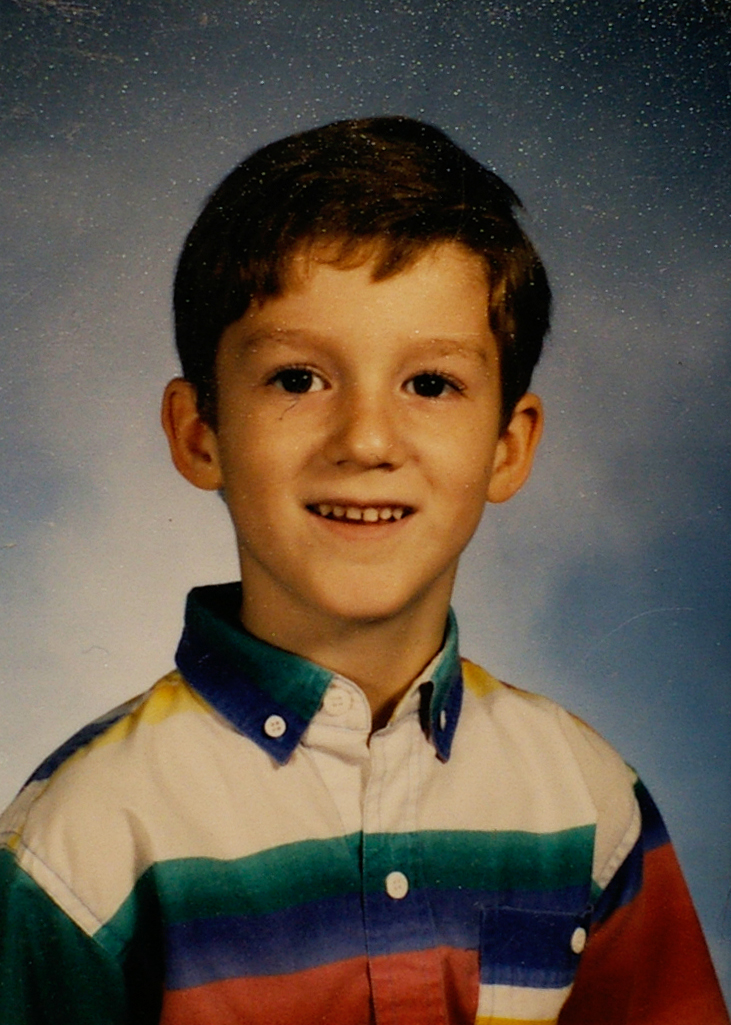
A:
(515, 449)
(193, 443)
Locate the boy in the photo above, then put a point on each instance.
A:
(323, 815)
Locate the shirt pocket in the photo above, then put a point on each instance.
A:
(528, 960)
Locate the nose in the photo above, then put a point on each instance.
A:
(366, 431)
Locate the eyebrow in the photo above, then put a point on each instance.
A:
(451, 346)
(278, 334)
(438, 346)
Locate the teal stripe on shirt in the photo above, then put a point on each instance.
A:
(52, 971)
(312, 870)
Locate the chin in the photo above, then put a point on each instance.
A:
(366, 612)
(370, 608)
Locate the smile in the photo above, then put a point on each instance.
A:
(361, 513)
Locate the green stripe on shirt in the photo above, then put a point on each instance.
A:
(311, 870)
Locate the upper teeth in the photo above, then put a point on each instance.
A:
(368, 514)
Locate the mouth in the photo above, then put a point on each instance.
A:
(360, 513)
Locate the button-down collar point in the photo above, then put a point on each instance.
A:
(275, 726)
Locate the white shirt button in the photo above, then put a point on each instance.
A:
(397, 885)
(337, 700)
(442, 720)
(275, 726)
(578, 940)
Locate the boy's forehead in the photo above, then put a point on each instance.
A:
(439, 298)
(382, 257)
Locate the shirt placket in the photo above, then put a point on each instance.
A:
(403, 962)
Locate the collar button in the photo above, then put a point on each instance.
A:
(337, 700)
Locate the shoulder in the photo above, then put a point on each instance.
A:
(524, 711)
(75, 827)
(563, 754)
(115, 735)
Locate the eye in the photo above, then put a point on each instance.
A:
(297, 380)
(431, 385)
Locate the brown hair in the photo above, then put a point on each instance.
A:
(393, 184)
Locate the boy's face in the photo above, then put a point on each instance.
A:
(357, 438)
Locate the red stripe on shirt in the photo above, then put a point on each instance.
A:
(648, 964)
(412, 989)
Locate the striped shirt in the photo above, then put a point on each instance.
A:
(233, 847)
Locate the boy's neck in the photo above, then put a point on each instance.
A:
(382, 656)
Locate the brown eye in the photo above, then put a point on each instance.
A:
(429, 386)
(297, 380)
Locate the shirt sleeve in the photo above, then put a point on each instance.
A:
(51, 972)
(646, 961)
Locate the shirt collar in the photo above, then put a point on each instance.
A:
(260, 688)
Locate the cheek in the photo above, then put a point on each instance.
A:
(246, 448)
(260, 468)
(466, 461)
(464, 496)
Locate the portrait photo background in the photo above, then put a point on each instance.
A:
(605, 583)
